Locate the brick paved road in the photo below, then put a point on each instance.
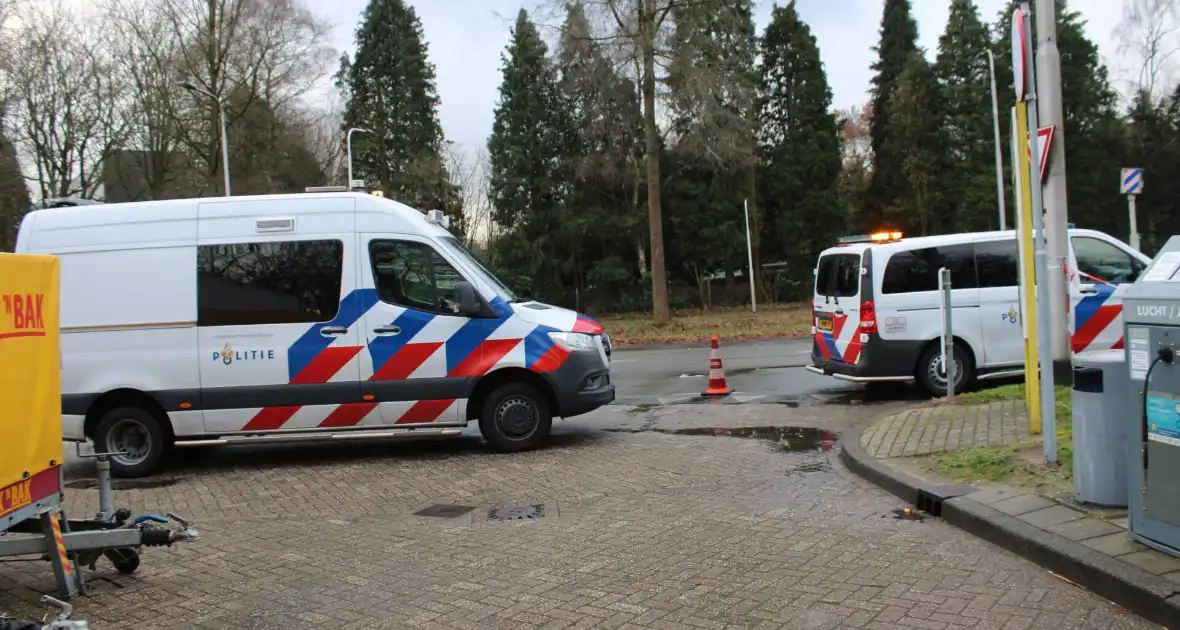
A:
(642, 530)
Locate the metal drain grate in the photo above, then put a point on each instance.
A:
(517, 513)
(443, 510)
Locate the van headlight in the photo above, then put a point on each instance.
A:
(574, 342)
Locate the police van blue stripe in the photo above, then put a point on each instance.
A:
(312, 343)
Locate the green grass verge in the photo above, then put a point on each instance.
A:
(734, 323)
(1020, 464)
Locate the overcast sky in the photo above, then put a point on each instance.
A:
(466, 37)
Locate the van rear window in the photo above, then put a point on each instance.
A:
(838, 276)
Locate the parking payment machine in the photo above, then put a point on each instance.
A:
(1151, 312)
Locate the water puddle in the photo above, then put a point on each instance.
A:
(786, 439)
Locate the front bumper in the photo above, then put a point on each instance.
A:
(582, 384)
(587, 401)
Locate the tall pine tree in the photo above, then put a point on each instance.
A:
(711, 101)
(602, 155)
(389, 85)
(966, 110)
(916, 136)
(899, 35)
(527, 185)
(799, 147)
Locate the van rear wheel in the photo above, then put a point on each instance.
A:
(515, 417)
(137, 438)
(932, 377)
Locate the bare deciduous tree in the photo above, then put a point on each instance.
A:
(1150, 34)
(273, 50)
(636, 32)
(471, 173)
(320, 126)
(69, 99)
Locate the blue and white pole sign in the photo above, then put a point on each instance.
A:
(1131, 185)
(1132, 181)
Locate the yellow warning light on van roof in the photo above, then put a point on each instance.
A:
(875, 237)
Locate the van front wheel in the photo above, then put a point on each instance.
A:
(515, 417)
(137, 437)
(932, 376)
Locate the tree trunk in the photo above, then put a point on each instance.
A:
(639, 249)
(659, 282)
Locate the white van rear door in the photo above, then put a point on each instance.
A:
(837, 297)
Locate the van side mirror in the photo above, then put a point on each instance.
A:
(466, 298)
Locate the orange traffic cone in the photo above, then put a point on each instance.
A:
(717, 384)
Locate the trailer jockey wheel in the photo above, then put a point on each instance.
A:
(125, 559)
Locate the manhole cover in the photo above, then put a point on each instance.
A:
(520, 513)
(444, 510)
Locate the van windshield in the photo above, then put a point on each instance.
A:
(478, 268)
(838, 276)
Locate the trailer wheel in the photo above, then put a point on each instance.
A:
(136, 434)
(125, 559)
(515, 417)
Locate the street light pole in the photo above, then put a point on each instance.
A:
(991, 62)
(188, 85)
(1050, 112)
(348, 142)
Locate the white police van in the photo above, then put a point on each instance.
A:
(320, 316)
(876, 305)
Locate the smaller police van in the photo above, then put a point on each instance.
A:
(877, 308)
(330, 315)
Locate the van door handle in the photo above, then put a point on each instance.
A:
(387, 330)
(333, 331)
(1089, 291)
(839, 311)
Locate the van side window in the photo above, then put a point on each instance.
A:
(250, 284)
(1104, 261)
(916, 270)
(413, 275)
(997, 263)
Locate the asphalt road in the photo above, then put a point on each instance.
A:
(752, 368)
(680, 373)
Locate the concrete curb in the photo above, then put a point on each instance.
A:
(1154, 598)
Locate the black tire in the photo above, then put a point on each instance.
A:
(515, 417)
(136, 431)
(125, 559)
(933, 380)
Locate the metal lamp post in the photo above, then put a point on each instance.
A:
(348, 142)
(991, 62)
(188, 85)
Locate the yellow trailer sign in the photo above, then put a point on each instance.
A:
(30, 375)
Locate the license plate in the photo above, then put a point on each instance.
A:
(824, 324)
